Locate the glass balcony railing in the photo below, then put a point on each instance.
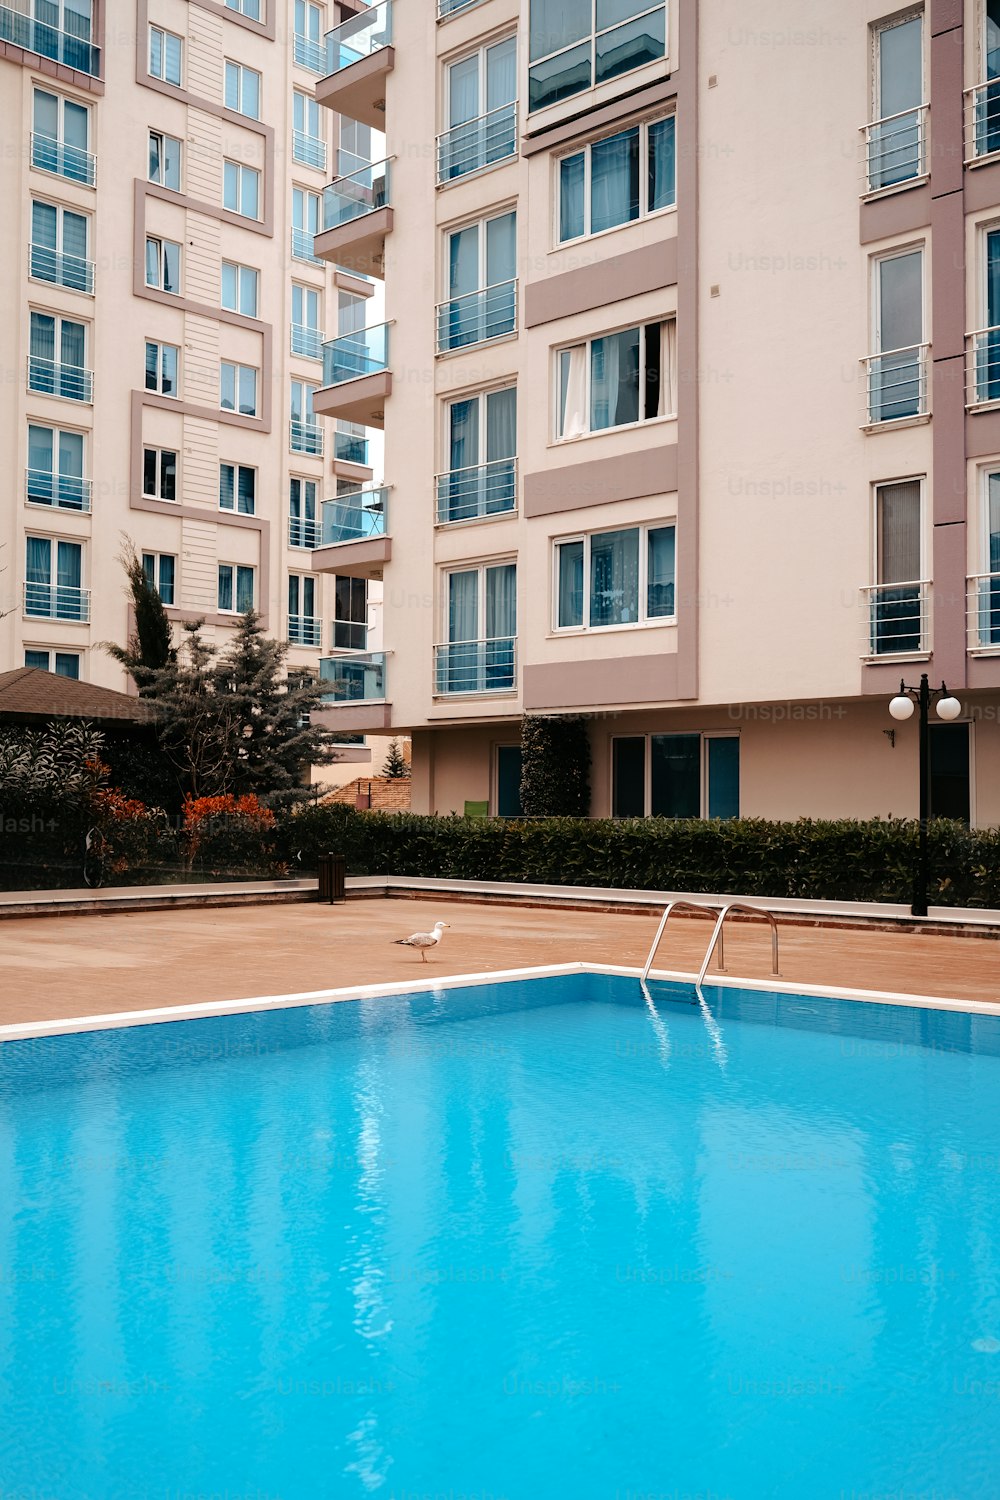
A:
(302, 247)
(350, 448)
(896, 384)
(310, 54)
(72, 49)
(482, 490)
(303, 531)
(309, 150)
(476, 666)
(358, 37)
(984, 611)
(304, 630)
(63, 491)
(356, 517)
(56, 601)
(898, 616)
(63, 160)
(477, 317)
(365, 352)
(477, 143)
(359, 193)
(354, 679)
(72, 271)
(305, 437)
(307, 341)
(52, 379)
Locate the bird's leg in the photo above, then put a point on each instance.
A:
(423, 956)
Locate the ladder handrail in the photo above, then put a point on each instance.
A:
(670, 906)
(759, 911)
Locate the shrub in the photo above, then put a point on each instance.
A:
(555, 767)
(230, 835)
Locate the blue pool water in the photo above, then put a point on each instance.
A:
(524, 1241)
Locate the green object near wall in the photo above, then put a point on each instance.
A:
(477, 809)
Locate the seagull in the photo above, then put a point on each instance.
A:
(424, 940)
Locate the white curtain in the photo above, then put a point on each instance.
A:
(501, 602)
(501, 73)
(463, 606)
(573, 390)
(667, 404)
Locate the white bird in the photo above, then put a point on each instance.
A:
(424, 940)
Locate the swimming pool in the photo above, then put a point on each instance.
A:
(529, 1239)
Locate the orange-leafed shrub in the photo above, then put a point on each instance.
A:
(230, 835)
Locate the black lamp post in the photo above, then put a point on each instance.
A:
(947, 708)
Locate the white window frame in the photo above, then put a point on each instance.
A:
(482, 568)
(155, 494)
(237, 468)
(585, 344)
(159, 345)
(157, 580)
(163, 137)
(57, 429)
(235, 572)
(62, 209)
(479, 221)
(165, 36)
(56, 651)
(983, 538)
(243, 172)
(645, 621)
(875, 262)
(882, 484)
(160, 241)
(241, 271)
(252, 9)
(61, 101)
(877, 30)
(299, 578)
(242, 72)
(643, 127)
(239, 370)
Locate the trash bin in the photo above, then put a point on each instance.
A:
(332, 878)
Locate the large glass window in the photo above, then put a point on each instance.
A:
(610, 578)
(618, 179)
(238, 388)
(59, 246)
(237, 588)
(55, 468)
(165, 160)
(243, 89)
(166, 55)
(238, 488)
(160, 569)
(895, 138)
(575, 44)
(897, 602)
(241, 189)
(481, 478)
(481, 267)
(53, 580)
(162, 362)
(239, 288)
(617, 379)
(481, 621)
(57, 357)
(159, 473)
(60, 140)
(675, 776)
(350, 613)
(482, 120)
(163, 264)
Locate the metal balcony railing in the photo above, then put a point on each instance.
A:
(63, 491)
(307, 341)
(357, 516)
(478, 143)
(302, 247)
(53, 379)
(477, 317)
(354, 679)
(308, 149)
(984, 611)
(359, 193)
(72, 271)
(476, 666)
(452, 7)
(982, 367)
(895, 384)
(349, 448)
(305, 630)
(483, 490)
(309, 54)
(66, 47)
(894, 149)
(303, 532)
(56, 601)
(63, 160)
(305, 437)
(359, 36)
(365, 352)
(898, 618)
(982, 121)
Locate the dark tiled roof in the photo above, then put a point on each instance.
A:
(28, 691)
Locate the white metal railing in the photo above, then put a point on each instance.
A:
(898, 618)
(982, 121)
(62, 159)
(481, 490)
(55, 266)
(305, 437)
(478, 143)
(57, 601)
(309, 54)
(303, 248)
(982, 367)
(307, 341)
(66, 47)
(303, 532)
(446, 8)
(476, 666)
(308, 149)
(477, 317)
(895, 384)
(894, 149)
(983, 611)
(50, 378)
(63, 491)
(305, 630)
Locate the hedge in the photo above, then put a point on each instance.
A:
(845, 860)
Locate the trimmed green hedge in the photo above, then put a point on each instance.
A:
(846, 860)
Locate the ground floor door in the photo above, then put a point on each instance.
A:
(950, 780)
(508, 781)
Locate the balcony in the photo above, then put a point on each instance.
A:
(349, 448)
(359, 59)
(355, 540)
(357, 216)
(48, 41)
(982, 122)
(477, 317)
(355, 700)
(472, 493)
(898, 619)
(310, 54)
(61, 491)
(56, 601)
(62, 160)
(305, 437)
(476, 144)
(306, 341)
(309, 150)
(72, 271)
(302, 247)
(982, 367)
(895, 150)
(303, 532)
(476, 666)
(895, 385)
(304, 630)
(448, 8)
(984, 612)
(72, 382)
(356, 377)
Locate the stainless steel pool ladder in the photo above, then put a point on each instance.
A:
(718, 940)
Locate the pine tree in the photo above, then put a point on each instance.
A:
(198, 730)
(150, 647)
(395, 768)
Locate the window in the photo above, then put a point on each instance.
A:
(237, 488)
(306, 433)
(481, 479)
(675, 776)
(55, 468)
(985, 99)
(52, 581)
(898, 601)
(987, 585)
(243, 90)
(306, 222)
(309, 49)
(614, 578)
(307, 338)
(163, 264)
(238, 388)
(59, 241)
(618, 179)
(241, 189)
(350, 614)
(481, 266)
(57, 29)
(897, 376)
(165, 160)
(161, 368)
(985, 345)
(165, 56)
(950, 766)
(159, 473)
(239, 288)
(66, 664)
(574, 46)
(481, 624)
(57, 358)
(303, 530)
(617, 379)
(308, 145)
(304, 629)
(895, 139)
(237, 588)
(354, 148)
(160, 569)
(482, 114)
(249, 8)
(60, 137)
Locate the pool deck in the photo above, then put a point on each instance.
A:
(76, 965)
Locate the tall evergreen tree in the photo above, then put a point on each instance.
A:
(396, 767)
(150, 647)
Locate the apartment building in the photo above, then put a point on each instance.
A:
(690, 384)
(164, 319)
